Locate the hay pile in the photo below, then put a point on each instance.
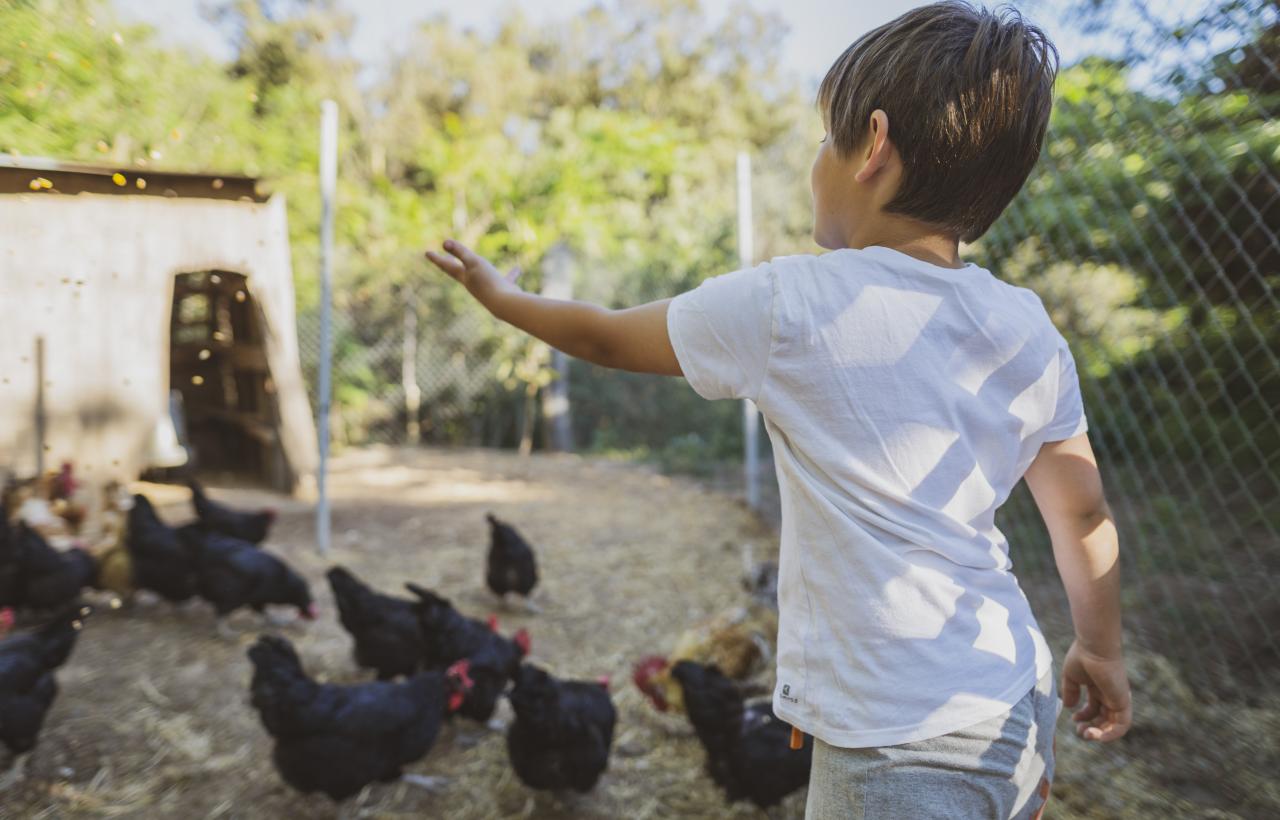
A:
(154, 721)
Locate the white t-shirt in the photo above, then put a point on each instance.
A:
(904, 401)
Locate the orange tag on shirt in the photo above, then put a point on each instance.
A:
(797, 738)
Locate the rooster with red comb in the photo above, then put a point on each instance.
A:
(740, 641)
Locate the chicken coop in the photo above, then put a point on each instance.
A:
(147, 322)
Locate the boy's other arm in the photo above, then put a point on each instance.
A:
(634, 339)
(1067, 487)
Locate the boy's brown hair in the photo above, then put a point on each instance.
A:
(967, 93)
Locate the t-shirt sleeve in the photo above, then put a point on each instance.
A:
(1068, 419)
(722, 332)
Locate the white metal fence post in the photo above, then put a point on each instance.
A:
(328, 181)
(557, 283)
(746, 256)
(409, 369)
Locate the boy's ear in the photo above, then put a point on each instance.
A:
(878, 148)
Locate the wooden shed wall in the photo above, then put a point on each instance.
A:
(94, 276)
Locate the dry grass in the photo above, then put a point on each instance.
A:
(153, 719)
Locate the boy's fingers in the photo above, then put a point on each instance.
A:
(1109, 726)
(1090, 710)
(464, 254)
(447, 264)
(1070, 692)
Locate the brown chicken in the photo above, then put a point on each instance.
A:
(741, 641)
(115, 566)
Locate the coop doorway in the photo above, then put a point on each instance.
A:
(228, 416)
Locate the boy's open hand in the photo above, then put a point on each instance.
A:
(473, 271)
(1109, 710)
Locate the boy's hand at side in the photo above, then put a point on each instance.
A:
(1067, 487)
(1109, 710)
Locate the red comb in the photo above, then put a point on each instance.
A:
(523, 641)
(493, 622)
(642, 676)
(459, 672)
(603, 680)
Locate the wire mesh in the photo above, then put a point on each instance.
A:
(1149, 229)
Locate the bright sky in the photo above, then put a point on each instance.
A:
(819, 29)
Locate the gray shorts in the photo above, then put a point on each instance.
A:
(999, 768)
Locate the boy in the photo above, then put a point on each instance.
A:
(905, 394)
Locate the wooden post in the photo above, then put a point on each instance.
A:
(40, 412)
(557, 283)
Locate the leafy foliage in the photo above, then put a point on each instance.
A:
(1149, 228)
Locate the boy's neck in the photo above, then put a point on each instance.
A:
(909, 237)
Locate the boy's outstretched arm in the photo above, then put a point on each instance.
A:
(1067, 487)
(634, 339)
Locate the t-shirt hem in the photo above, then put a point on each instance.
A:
(866, 738)
(1064, 432)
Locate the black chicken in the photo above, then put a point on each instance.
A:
(561, 736)
(386, 630)
(215, 517)
(511, 566)
(450, 636)
(339, 739)
(234, 574)
(10, 565)
(748, 748)
(35, 575)
(160, 561)
(27, 685)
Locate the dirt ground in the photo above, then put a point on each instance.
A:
(153, 719)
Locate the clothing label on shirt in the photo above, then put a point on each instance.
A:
(785, 694)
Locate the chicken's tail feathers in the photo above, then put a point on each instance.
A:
(58, 635)
(426, 596)
(142, 510)
(493, 521)
(345, 585)
(272, 653)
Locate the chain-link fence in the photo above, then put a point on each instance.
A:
(1149, 229)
